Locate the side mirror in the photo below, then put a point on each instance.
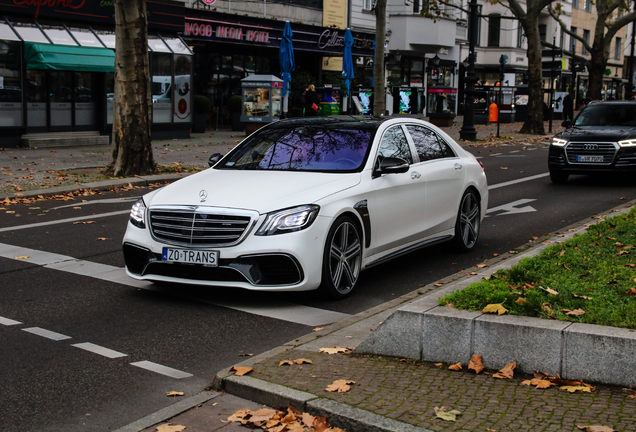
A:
(567, 123)
(214, 159)
(392, 165)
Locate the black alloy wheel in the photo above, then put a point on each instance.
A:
(468, 222)
(342, 259)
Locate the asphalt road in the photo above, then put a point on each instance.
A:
(77, 339)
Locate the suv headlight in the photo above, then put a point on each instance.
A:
(138, 214)
(288, 220)
(627, 143)
(559, 142)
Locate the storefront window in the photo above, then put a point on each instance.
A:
(239, 63)
(36, 98)
(110, 93)
(161, 88)
(10, 88)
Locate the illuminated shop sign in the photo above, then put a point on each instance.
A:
(37, 4)
(226, 32)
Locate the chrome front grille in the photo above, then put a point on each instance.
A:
(606, 150)
(200, 226)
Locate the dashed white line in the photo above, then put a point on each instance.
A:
(106, 352)
(521, 180)
(8, 322)
(46, 333)
(55, 222)
(163, 370)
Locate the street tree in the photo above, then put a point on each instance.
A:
(611, 17)
(132, 96)
(379, 95)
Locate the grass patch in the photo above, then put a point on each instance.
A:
(594, 272)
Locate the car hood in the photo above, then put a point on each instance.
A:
(262, 191)
(598, 133)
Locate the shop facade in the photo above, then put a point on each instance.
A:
(57, 66)
(229, 48)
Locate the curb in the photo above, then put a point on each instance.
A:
(168, 412)
(140, 181)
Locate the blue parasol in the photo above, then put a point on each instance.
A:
(347, 61)
(286, 59)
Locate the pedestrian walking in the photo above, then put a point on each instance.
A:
(568, 107)
(311, 101)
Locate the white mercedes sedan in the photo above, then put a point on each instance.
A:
(308, 203)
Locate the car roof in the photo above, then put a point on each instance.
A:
(612, 102)
(345, 121)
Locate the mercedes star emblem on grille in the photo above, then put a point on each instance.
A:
(203, 195)
(590, 146)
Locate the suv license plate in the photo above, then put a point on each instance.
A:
(208, 258)
(589, 158)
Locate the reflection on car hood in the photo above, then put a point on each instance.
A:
(263, 191)
(598, 133)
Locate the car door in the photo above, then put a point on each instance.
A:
(443, 174)
(398, 200)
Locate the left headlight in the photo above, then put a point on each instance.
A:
(138, 214)
(627, 143)
(288, 220)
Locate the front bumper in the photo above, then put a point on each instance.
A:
(618, 159)
(285, 262)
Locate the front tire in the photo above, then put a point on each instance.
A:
(468, 222)
(342, 259)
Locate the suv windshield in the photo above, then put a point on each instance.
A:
(607, 115)
(302, 148)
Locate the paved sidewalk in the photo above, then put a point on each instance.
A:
(54, 170)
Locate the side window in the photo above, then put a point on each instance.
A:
(426, 142)
(446, 149)
(395, 144)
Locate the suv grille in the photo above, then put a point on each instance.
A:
(198, 226)
(606, 150)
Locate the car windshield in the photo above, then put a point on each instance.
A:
(303, 148)
(607, 115)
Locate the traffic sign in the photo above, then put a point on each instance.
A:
(552, 65)
(552, 53)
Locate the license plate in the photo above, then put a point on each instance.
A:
(208, 258)
(589, 158)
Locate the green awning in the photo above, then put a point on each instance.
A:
(67, 57)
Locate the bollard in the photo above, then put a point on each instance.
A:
(493, 112)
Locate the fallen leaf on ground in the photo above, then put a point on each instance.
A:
(446, 415)
(572, 389)
(340, 386)
(456, 367)
(174, 393)
(480, 265)
(475, 364)
(495, 308)
(167, 427)
(318, 328)
(246, 355)
(521, 301)
(334, 350)
(596, 428)
(22, 257)
(438, 284)
(574, 312)
(439, 364)
(285, 362)
(241, 370)
(630, 292)
(507, 372)
(539, 383)
(550, 291)
(303, 360)
(583, 297)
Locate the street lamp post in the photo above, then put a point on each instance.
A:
(468, 132)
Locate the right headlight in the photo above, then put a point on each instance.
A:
(138, 214)
(559, 142)
(627, 143)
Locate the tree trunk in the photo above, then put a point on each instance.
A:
(534, 120)
(596, 68)
(379, 93)
(132, 99)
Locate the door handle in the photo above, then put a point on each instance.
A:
(415, 175)
(458, 167)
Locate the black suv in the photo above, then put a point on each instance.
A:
(601, 139)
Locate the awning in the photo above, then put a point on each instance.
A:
(69, 58)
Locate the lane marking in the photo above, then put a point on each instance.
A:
(163, 370)
(8, 322)
(283, 311)
(511, 208)
(106, 352)
(61, 221)
(46, 333)
(521, 180)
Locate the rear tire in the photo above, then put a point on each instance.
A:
(559, 177)
(468, 222)
(342, 259)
